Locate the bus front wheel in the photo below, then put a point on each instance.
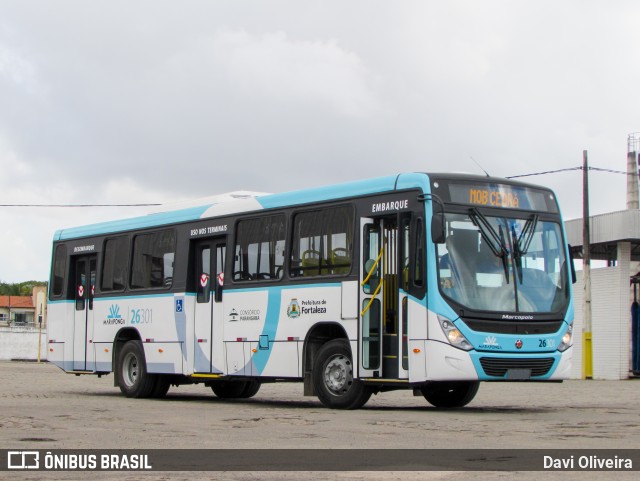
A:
(450, 394)
(333, 377)
(133, 378)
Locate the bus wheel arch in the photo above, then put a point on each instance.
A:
(334, 378)
(317, 336)
(134, 379)
(122, 337)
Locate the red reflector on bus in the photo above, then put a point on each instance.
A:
(148, 340)
(292, 338)
(241, 339)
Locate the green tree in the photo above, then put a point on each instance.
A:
(19, 288)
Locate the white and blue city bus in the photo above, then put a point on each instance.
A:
(426, 282)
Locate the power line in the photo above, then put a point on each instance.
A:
(543, 173)
(597, 169)
(568, 169)
(78, 205)
(611, 171)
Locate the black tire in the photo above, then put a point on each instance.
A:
(163, 383)
(251, 389)
(450, 394)
(333, 377)
(133, 379)
(235, 389)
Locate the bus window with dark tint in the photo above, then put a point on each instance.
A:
(114, 266)
(419, 275)
(59, 270)
(81, 284)
(405, 259)
(259, 251)
(322, 242)
(204, 272)
(152, 264)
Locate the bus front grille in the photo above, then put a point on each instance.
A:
(498, 367)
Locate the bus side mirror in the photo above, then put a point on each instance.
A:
(574, 278)
(437, 228)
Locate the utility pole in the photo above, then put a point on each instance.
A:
(587, 350)
(632, 172)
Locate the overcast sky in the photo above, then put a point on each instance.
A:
(160, 101)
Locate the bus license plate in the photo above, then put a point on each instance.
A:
(518, 374)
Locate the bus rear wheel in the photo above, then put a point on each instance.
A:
(133, 379)
(333, 377)
(235, 389)
(450, 394)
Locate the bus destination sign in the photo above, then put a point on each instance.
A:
(501, 196)
(494, 198)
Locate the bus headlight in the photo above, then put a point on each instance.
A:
(566, 339)
(453, 335)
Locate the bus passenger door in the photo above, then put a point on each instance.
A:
(209, 272)
(371, 305)
(85, 281)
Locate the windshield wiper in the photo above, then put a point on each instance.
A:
(521, 244)
(495, 241)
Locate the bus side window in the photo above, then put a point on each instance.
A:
(152, 264)
(259, 249)
(59, 271)
(115, 263)
(322, 242)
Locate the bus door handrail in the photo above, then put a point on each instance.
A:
(366, 279)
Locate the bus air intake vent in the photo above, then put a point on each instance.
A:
(498, 367)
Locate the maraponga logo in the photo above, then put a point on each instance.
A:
(114, 317)
(491, 343)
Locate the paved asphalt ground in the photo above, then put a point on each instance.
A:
(43, 408)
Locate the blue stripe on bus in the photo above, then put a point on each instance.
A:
(274, 304)
(261, 357)
(282, 288)
(127, 297)
(331, 192)
(350, 189)
(151, 220)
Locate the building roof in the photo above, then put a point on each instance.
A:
(17, 302)
(605, 231)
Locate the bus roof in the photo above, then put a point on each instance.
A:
(232, 203)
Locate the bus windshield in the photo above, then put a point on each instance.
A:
(502, 263)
